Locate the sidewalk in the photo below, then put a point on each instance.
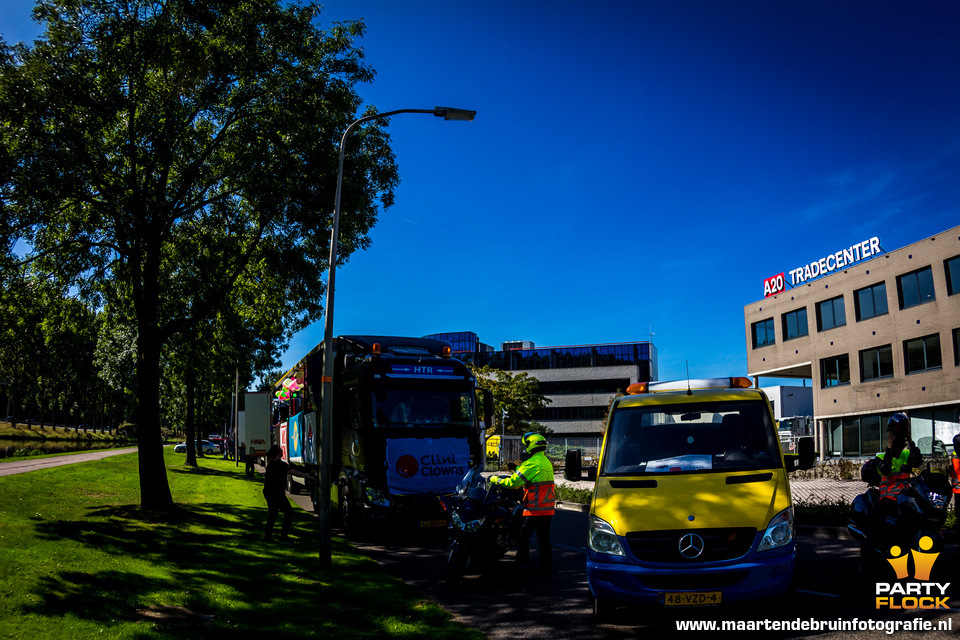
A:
(821, 490)
(22, 465)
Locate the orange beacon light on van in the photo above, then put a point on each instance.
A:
(739, 382)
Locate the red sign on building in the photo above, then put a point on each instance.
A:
(774, 285)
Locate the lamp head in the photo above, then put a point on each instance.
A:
(452, 113)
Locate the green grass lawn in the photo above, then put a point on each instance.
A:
(79, 559)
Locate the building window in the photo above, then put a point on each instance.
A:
(922, 354)
(795, 324)
(570, 413)
(763, 334)
(871, 301)
(835, 371)
(855, 436)
(915, 288)
(876, 363)
(956, 350)
(952, 267)
(583, 387)
(870, 435)
(830, 314)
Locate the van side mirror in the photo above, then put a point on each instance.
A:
(805, 457)
(572, 466)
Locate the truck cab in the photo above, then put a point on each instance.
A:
(405, 427)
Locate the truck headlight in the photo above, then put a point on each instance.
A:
(779, 532)
(603, 539)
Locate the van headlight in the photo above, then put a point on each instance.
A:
(603, 539)
(779, 532)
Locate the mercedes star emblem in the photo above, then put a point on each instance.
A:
(691, 546)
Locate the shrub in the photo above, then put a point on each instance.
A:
(568, 493)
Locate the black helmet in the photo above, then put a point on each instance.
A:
(898, 421)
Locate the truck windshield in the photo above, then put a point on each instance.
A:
(718, 436)
(409, 408)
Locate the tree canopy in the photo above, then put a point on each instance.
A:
(515, 398)
(171, 160)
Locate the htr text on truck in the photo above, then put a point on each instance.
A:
(405, 426)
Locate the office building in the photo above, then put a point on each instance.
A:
(580, 381)
(875, 332)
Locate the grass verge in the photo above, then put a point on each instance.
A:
(78, 559)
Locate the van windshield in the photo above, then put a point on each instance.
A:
(696, 437)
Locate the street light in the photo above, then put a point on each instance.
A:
(326, 395)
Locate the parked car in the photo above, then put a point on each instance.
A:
(208, 448)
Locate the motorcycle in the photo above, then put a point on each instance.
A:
(919, 512)
(484, 522)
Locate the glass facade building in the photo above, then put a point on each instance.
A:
(579, 380)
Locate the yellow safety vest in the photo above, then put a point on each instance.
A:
(539, 491)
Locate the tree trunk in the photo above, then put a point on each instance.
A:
(154, 488)
(191, 380)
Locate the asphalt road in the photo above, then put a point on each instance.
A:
(504, 603)
(507, 604)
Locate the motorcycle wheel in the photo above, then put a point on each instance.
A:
(869, 563)
(349, 518)
(457, 563)
(603, 610)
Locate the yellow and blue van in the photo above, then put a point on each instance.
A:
(692, 503)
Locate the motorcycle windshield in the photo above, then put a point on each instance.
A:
(473, 485)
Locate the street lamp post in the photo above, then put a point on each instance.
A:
(326, 396)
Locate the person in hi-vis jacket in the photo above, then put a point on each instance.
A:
(535, 475)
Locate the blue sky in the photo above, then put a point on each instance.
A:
(642, 166)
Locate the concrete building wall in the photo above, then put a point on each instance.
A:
(558, 401)
(803, 357)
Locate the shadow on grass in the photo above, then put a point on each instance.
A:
(232, 474)
(203, 571)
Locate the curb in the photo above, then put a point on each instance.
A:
(836, 533)
(573, 506)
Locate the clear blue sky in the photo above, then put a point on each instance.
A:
(639, 166)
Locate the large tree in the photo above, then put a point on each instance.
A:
(156, 153)
(516, 396)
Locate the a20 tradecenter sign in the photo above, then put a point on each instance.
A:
(828, 264)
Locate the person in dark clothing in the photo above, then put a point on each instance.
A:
(275, 492)
(898, 461)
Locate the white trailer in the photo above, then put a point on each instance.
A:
(254, 424)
